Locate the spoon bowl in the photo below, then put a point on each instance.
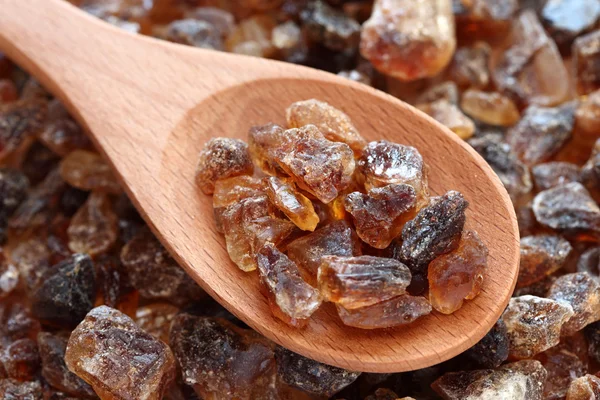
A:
(150, 106)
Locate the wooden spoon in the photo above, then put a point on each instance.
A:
(150, 106)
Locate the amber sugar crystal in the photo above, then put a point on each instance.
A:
(458, 275)
(409, 39)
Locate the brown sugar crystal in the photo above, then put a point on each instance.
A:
(534, 324)
(335, 239)
(400, 310)
(385, 162)
(409, 39)
(321, 167)
(296, 298)
(379, 215)
(222, 158)
(88, 171)
(296, 206)
(458, 275)
(334, 124)
(355, 282)
(119, 360)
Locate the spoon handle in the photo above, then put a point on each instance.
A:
(126, 90)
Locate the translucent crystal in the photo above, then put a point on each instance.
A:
(541, 132)
(66, 292)
(220, 360)
(562, 366)
(590, 172)
(582, 293)
(37, 209)
(587, 115)
(21, 359)
(288, 39)
(555, 173)
(222, 158)
(119, 360)
(567, 19)
(458, 275)
(16, 322)
(586, 53)
(531, 69)
(54, 370)
(541, 255)
(334, 211)
(263, 143)
(512, 172)
(483, 18)
(584, 388)
(354, 282)
(248, 224)
(231, 190)
(221, 19)
(469, 67)
(334, 239)
(13, 190)
(492, 350)
(436, 230)
(195, 33)
(589, 261)
(9, 276)
(317, 165)
(88, 171)
(399, 310)
(383, 163)
(156, 319)
(379, 215)
(296, 298)
(334, 124)
(330, 27)
(311, 376)
(534, 324)
(12, 389)
(297, 207)
(252, 37)
(32, 90)
(451, 116)
(409, 39)
(154, 273)
(568, 208)
(20, 121)
(32, 259)
(444, 91)
(519, 380)
(62, 135)
(93, 229)
(489, 107)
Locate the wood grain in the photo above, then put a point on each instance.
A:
(150, 106)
